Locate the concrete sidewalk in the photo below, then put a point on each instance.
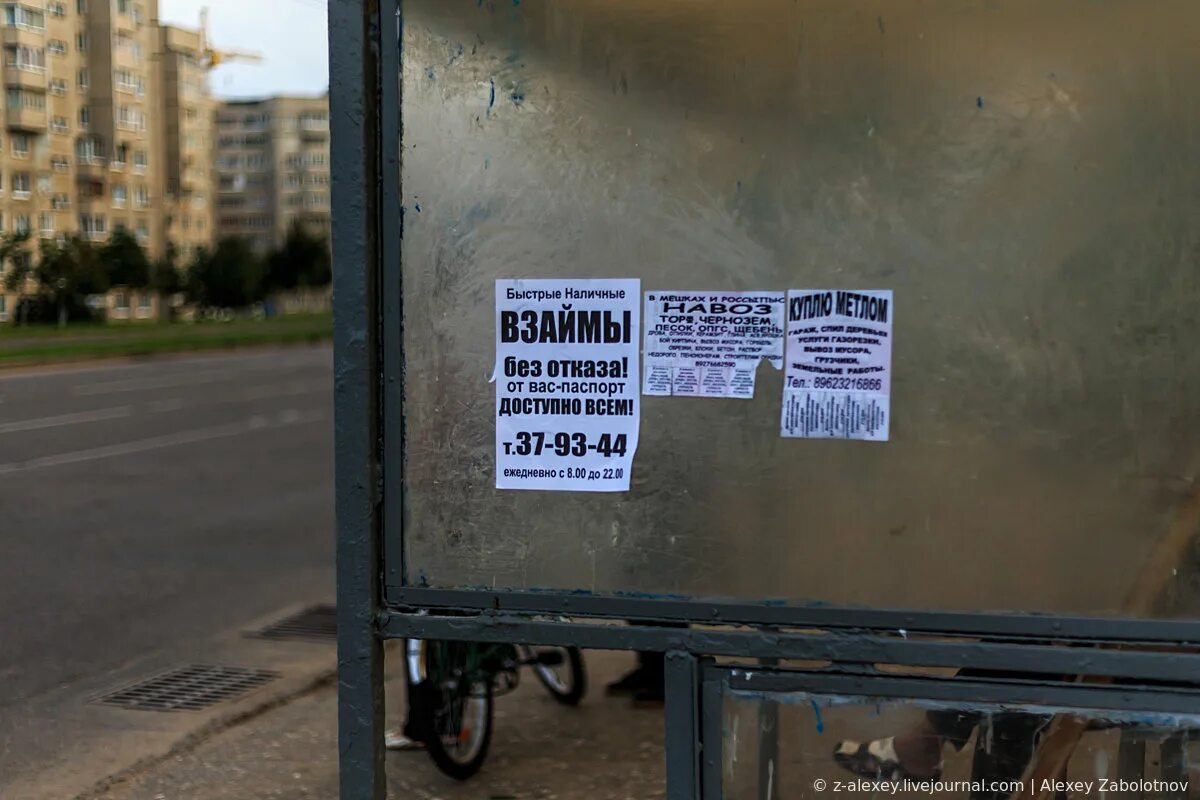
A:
(602, 750)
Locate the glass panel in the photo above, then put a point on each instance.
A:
(1022, 175)
(799, 745)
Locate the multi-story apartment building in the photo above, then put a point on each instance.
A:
(107, 124)
(272, 168)
(187, 114)
(119, 154)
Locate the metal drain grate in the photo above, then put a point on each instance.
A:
(318, 622)
(188, 688)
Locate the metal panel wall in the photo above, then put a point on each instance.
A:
(1021, 174)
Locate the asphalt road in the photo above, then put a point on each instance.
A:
(146, 505)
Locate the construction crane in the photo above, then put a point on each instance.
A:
(213, 57)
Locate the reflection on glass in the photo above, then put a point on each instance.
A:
(803, 745)
(1022, 175)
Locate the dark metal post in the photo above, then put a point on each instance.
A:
(354, 111)
(683, 726)
(712, 733)
(1131, 762)
(768, 742)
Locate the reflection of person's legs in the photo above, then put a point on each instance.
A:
(645, 682)
(1003, 748)
(407, 737)
(1002, 751)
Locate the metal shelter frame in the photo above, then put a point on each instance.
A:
(375, 602)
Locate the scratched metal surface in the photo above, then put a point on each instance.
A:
(1022, 175)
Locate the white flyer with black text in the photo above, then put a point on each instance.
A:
(838, 379)
(709, 344)
(567, 399)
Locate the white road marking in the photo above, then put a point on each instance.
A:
(159, 442)
(99, 415)
(161, 382)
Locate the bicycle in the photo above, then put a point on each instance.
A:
(452, 686)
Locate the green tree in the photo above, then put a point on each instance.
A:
(164, 273)
(228, 276)
(14, 254)
(125, 261)
(70, 271)
(303, 260)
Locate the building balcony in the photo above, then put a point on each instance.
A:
(92, 169)
(24, 35)
(124, 57)
(26, 77)
(33, 120)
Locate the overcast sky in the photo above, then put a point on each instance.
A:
(289, 34)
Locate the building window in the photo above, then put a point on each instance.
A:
(59, 125)
(119, 195)
(60, 202)
(143, 237)
(3, 308)
(58, 86)
(20, 98)
(21, 186)
(84, 78)
(21, 223)
(19, 16)
(85, 116)
(56, 9)
(140, 160)
(46, 225)
(30, 59)
(44, 183)
(20, 145)
(81, 6)
(89, 151)
(141, 197)
(92, 225)
(60, 163)
(130, 118)
(81, 42)
(128, 81)
(57, 47)
(123, 6)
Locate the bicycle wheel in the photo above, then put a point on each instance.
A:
(460, 709)
(566, 680)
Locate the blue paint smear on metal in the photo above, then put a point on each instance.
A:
(820, 722)
(492, 95)
(417, 207)
(517, 97)
(979, 102)
(429, 73)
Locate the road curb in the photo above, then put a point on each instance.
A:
(237, 715)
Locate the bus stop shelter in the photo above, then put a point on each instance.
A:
(841, 351)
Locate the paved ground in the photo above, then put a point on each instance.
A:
(602, 750)
(147, 510)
